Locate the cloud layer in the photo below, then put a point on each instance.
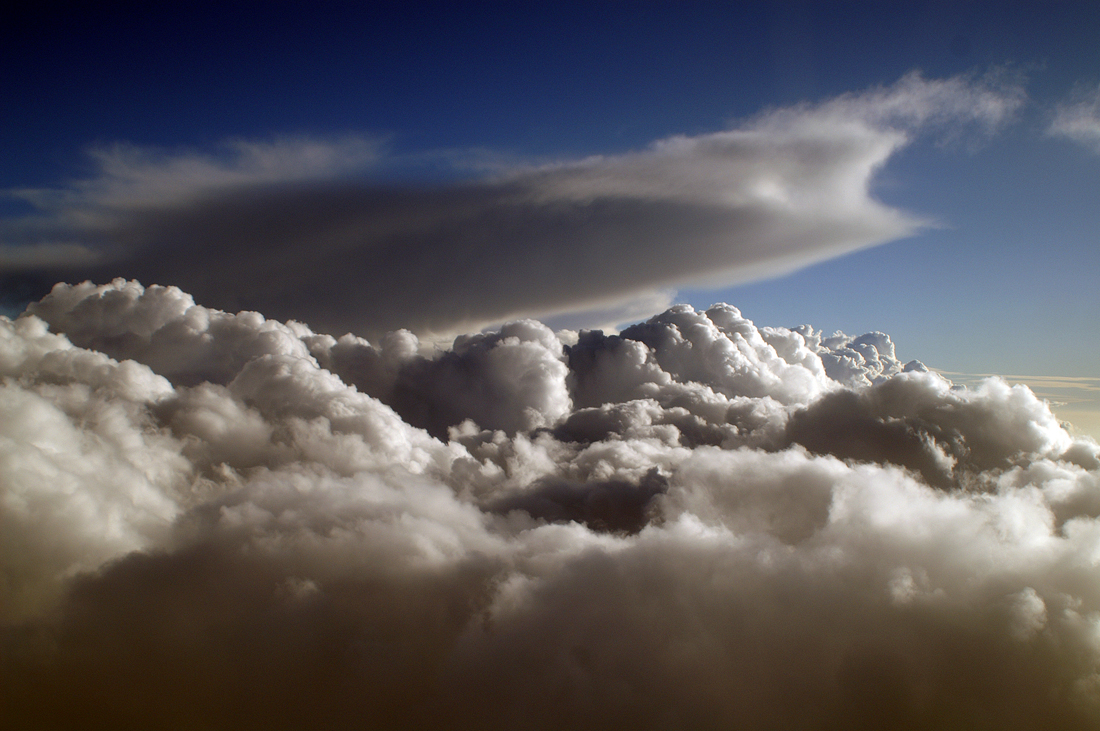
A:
(227, 521)
(287, 228)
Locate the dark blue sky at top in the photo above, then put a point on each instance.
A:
(531, 78)
(560, 80)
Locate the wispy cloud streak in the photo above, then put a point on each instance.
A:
(1078, 119)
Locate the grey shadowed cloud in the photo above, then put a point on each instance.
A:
(296, 229)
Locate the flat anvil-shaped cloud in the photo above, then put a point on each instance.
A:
(283, 229)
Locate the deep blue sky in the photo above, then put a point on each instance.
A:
(534, 78)
(1006, 285)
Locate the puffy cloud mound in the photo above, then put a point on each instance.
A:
(225, 521)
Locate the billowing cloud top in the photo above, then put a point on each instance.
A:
(225, 521)
(287, 229)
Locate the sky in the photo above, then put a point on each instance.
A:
(603, 365)
(999, 248)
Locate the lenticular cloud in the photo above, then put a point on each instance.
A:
(312, 229)
(223, 521)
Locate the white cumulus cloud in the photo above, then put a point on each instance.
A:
(225, 520)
